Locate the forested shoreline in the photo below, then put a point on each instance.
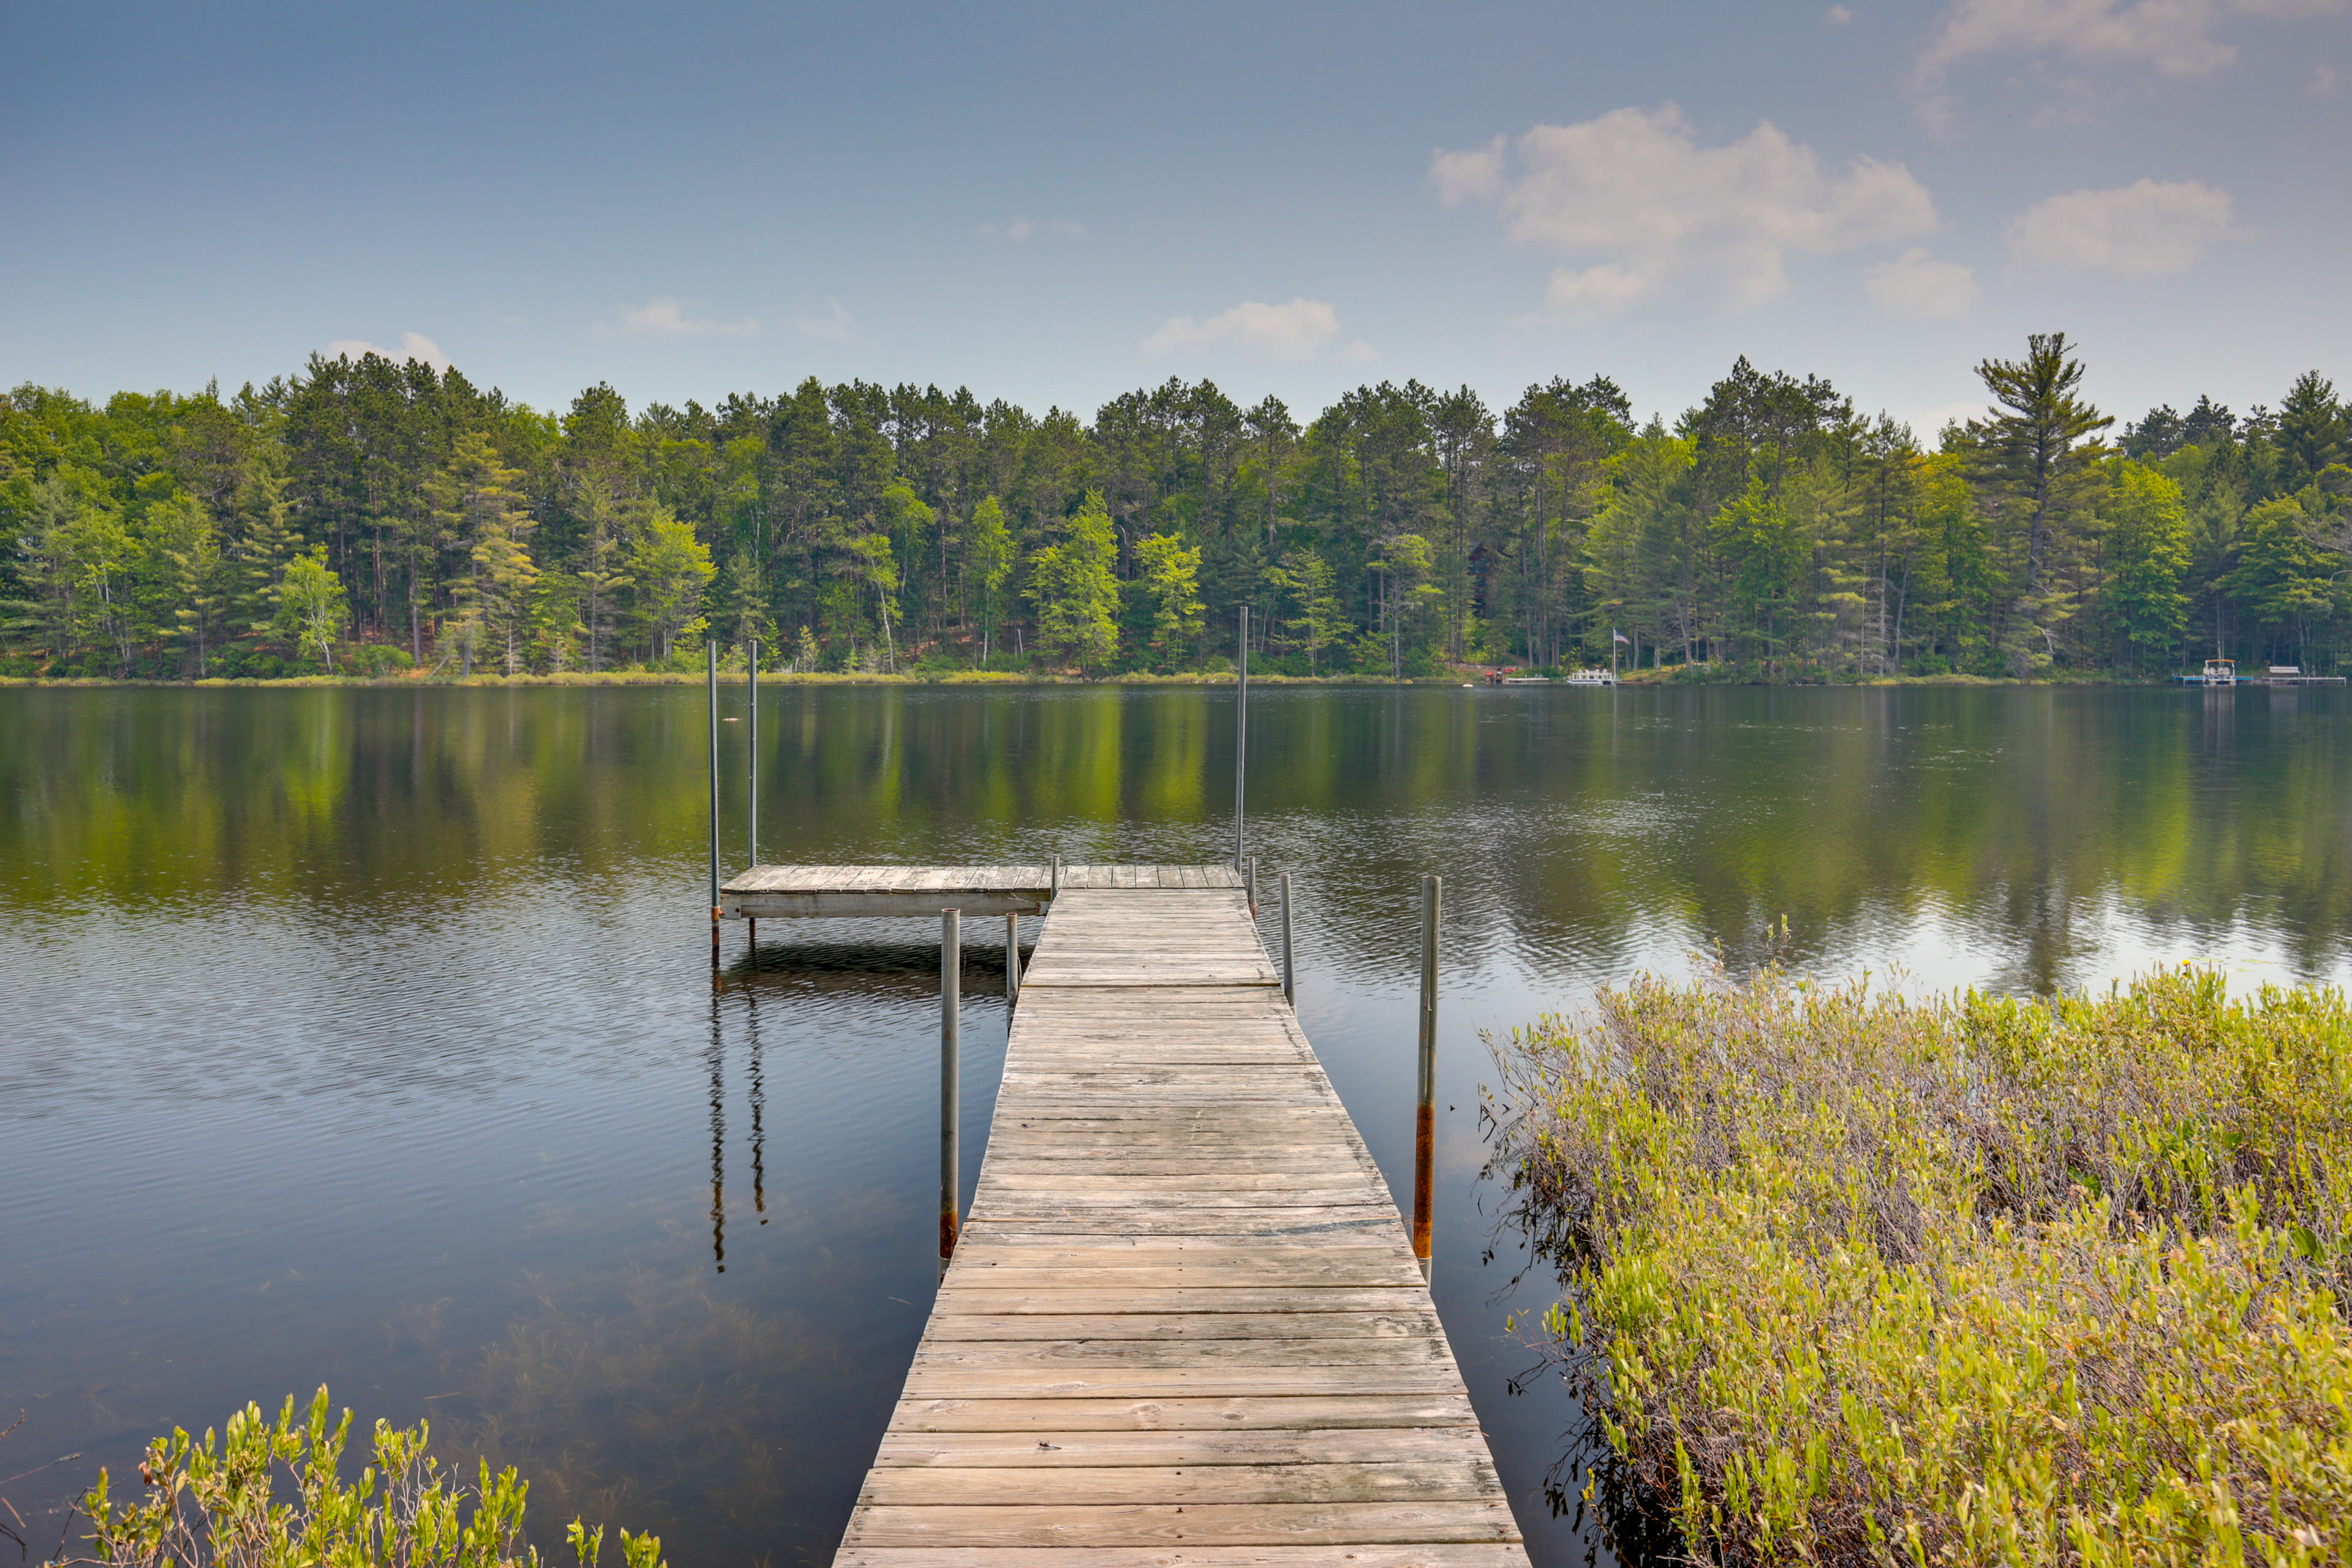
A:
(376, 518)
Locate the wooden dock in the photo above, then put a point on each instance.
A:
(1183, 1327)
(766, 892)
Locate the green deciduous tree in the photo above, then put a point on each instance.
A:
(669, 570)
(2149, 539)
(311, 605)
(1168, 575)
(990, 548)
(1076, 591)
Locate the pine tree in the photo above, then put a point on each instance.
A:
(2037, 454)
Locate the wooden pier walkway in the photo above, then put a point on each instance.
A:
(1183, 1327)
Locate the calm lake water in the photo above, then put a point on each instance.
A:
(367, 1037)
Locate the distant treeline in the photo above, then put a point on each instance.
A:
(371, 515)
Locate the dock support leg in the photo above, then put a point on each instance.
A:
(1289, 977)
(1425, 1135)
(950, 1183)
(751, 804)
(1241, 742)
(1013, 958)
(711, 650)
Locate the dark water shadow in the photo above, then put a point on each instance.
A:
(895, 971)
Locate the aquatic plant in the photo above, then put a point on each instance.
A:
(1857, 1279)
(270, 1494)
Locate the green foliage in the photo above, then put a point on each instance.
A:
(269, 1494)
(2149, 535)
(2286, 577)
(1771, 531)
(1316, 620)
(668, 567)
(1978, 1281)
(991, 552)
(1075, 590)
(310, 605)
(1170, 582)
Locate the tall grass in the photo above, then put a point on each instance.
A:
(1855, 1279)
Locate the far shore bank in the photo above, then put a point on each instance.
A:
(1646, 678)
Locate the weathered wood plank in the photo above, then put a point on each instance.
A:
(1358, 1554)
(1187, 1326)
(950, 1382)
(1272, 1183)
(1160, 1355)
(1168, 1524)
(1245, 1413)
(1459, 1479)
(1313, 1446)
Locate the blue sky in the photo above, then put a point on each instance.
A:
(1055, 203)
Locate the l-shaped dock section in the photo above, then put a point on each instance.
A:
(1183, 1326)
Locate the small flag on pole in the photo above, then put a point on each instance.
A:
(1619, 636)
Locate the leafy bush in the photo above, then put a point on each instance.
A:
(1978, 1281)
(376, 660)
(214, 1504)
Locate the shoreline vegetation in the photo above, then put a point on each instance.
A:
(258, 1493)
(736, 676)
(375, 517)
(1849, 1277)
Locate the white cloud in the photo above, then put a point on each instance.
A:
(1470, 176)
(1917, 287)
(1020, 229)
(835, 326)
(1656, 214)
(665, 317)
(2177, 38)
(2322, 83)
(1359, 352)
(1837, 16)
(2145, 228)
(1298, 330)
(413, 347)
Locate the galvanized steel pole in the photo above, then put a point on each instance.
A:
(1249, 883)
(1241, 742)
(752, 829)
(1289, 978)
(1424, 1136)
(751, 923)
(950, 981)
(712, 651)
(1012, 957)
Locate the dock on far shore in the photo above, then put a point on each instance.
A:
(1183, 1326)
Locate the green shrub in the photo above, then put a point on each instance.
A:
(269, 1495)
(1978, 1281)
(376, 660)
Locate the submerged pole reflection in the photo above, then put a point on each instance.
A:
(758, 1106)
(950, 1110)
(718, 1142)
